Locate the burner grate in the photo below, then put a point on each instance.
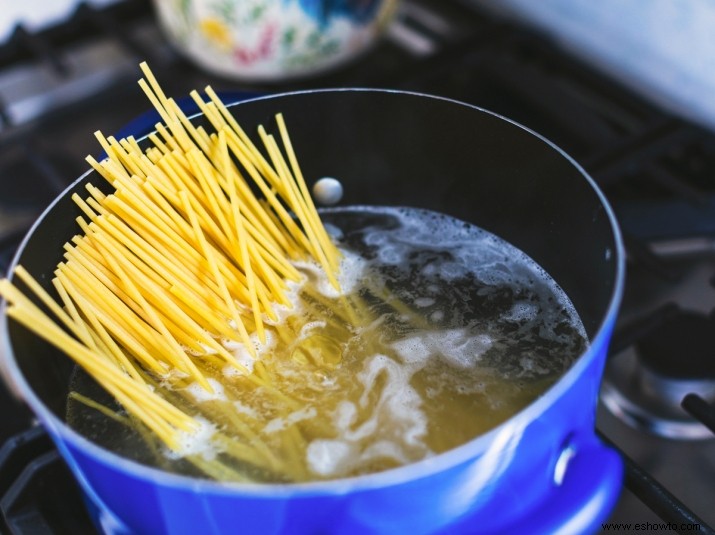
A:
(700, 410)
(658, 498)
(39, 495)
(88, 22)
(670, 363)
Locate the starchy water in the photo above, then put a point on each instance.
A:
(441, 332)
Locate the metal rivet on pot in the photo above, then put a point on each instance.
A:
(328, 191)
(562, 463)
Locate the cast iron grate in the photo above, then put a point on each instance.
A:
(87, 23)
(652, 332)
(39, 495)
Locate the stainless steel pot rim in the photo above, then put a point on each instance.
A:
(395, 476)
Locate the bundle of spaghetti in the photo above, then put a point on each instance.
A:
(180, 261)
(93, 354)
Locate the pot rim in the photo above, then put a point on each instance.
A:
(59, 430)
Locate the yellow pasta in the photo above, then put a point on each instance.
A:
(179, 259)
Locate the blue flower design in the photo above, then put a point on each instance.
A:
(359, 11)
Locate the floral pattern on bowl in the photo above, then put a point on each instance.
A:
(273, 39)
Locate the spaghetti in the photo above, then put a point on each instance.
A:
(211, 315)
(181, 258)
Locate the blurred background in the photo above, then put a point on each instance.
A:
(664, 49)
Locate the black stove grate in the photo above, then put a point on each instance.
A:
(88, 22)
(655, 168)
(658, 499)
(39, 494)
(700, 409)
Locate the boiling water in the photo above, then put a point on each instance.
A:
(442, 332)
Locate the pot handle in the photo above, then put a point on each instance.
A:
(587, 483)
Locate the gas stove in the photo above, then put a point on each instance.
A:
(60, 84)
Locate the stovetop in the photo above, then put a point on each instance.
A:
(59, 85)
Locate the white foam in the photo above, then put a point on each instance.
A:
(529, 364)
(242, 354)
(282, 311)
(197, 442)
(309, 327)
(399, 402)
(391, 254)
(459, 347)
(396, 421)
(423, 302)
(200, 394)
(242, 408)
(384, 449)
(278, 424)
(437, 316)
(169, 378)
(345, 414)
(350, 275)
(522, 311)
(329, 457)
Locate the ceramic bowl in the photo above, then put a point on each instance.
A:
(269, 40)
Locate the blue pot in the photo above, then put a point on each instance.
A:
(542, 471)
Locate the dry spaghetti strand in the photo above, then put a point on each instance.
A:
(185, 249)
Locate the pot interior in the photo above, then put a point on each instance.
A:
(397, 149)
